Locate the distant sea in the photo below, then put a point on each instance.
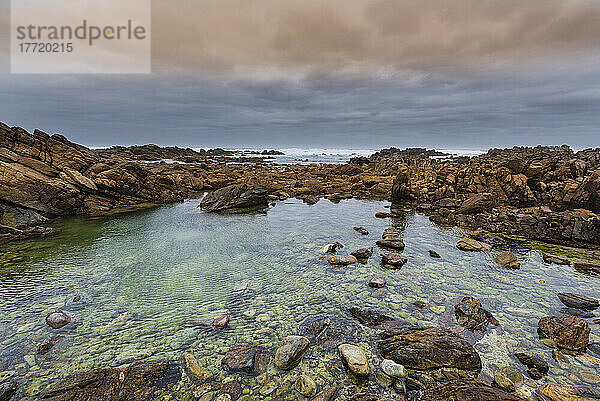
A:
(332, 155)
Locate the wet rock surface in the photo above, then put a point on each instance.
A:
(137, 382)
(425, 348)
(362, 253)
(329, 332)
(463, 391)
(472, 245)
(238, 198)
(393, 259)
(342, 260)
(355, 359)
(556, 392)
(58, 319)
(7, 390)
(247, 358)
(578, 301)
(507, 259)
(374, 318)
(471, 315)
(568, 332)
(290, 351)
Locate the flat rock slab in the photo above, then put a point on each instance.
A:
(137, 382)
(426, 348)
(460, 390)
(578, 301)
(342, 260)
(568, 332)
(472, 245)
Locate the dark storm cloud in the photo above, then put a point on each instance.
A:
(351, 73)
(444, 110)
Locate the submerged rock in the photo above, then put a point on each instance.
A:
(355, 359)
(385, 215)
(305, 385)
(327, 395)
(137, 382)
(332, 248)
(58, 319)
(246, 358)
(578, 301)
(533, 362)
(393, 259)
(221, 322)
(342, 260)
(377, 282)
(237, 198)
(426, 348)
(472, 245)
(507, 259)
(392, 239)
(7, 390)
(557, 392)
(568, 332)
(374, 318)
(329, 332)
(361, 230)
(363, 253)
(192, 366)
(463, 390)
(555, 259)
(470, 314)
(290, 351)
(434, 254)
(48, 344)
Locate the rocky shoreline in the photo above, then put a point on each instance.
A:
(550, 194)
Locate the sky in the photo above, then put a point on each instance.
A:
(458, 74)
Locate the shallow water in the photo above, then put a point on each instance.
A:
(149, 282)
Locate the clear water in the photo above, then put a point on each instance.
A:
(150, 281)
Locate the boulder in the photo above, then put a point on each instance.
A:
(58, 319)
(221, 322)
(477, 203)
(377, 282)
(507, 259)
(246, 358)
(568, 332)
(472, 245)
(363, 253)
(395, 244)
(355, 359)
(137, 382)
(393, 259)
(332, 248)
(426, 348)
(342, 260)
(237, 198)
(290, 351)
(470, 314)
(361, 230)
(578, 301)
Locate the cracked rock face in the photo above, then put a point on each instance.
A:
(568, 332)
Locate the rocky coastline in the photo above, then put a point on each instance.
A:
(550, 194)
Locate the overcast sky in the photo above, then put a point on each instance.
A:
(336, 73)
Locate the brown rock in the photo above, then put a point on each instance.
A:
(470, 314)
(557, 392)
(507, 259)
(578, 301)
(221, 322)
(472, 245)
(246, 358)
(568, 332)
(377, 282)
(426, 348)
(393, 259)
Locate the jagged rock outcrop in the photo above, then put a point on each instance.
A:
(234, 198)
